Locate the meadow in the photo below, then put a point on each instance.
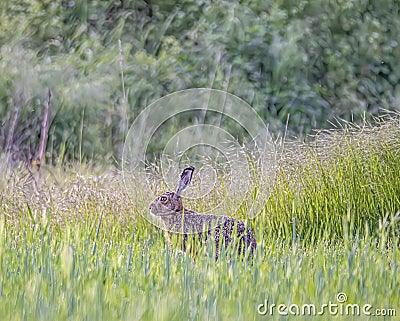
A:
(74, 247)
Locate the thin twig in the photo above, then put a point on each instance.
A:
(81, 136)
(121, 66)
(124, 102)
(10, 137)
(44, 132)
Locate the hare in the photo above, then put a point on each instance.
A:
(176, 219)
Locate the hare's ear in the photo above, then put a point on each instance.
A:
(185, 179)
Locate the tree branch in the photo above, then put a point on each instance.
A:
(44, 132)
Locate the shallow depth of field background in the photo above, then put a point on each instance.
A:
(314, 60)
(73, 246)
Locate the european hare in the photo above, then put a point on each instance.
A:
(206, 227)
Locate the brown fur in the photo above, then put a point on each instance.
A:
(169, 207)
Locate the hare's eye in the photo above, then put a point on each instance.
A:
(163, 198)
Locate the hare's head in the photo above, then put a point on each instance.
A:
(170, 203)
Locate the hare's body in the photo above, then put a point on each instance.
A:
(207, 227)
(203, 227)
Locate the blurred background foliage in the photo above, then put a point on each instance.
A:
(316, 60)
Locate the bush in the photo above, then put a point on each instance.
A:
(312, 60)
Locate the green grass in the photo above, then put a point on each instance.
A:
(58, 275)
(76, 248)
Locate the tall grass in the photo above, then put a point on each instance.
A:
(76, 248)
(346, 176)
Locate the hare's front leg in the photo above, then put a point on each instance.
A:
(168, 237)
